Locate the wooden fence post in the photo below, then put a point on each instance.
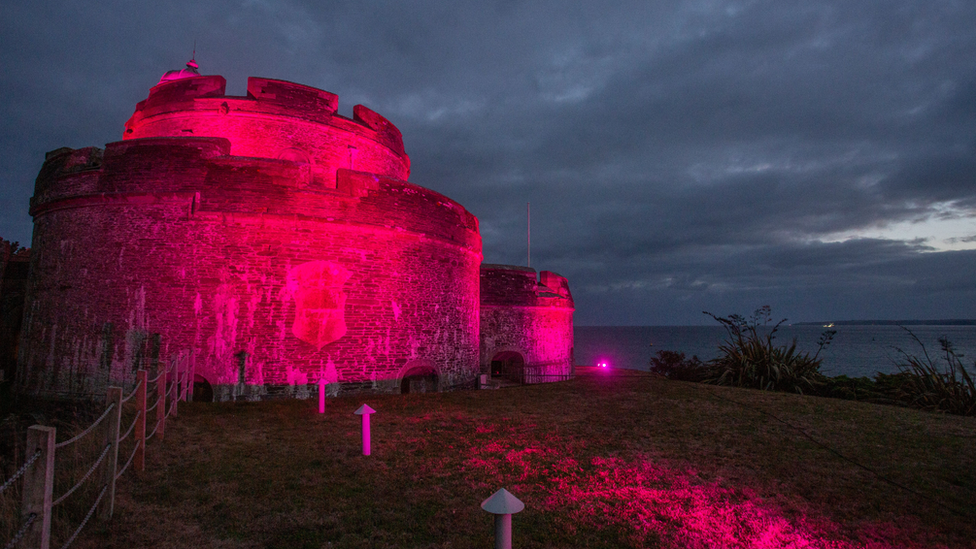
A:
(161, 405)
(114, 396)
(39, 487)
(141, 379)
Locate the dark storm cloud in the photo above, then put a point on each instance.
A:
(679, 156)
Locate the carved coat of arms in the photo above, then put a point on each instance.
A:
(320, 301)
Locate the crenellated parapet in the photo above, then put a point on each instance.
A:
(277, 120)
(514, 286)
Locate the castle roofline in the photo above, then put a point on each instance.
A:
(199, 105)
(500, 267)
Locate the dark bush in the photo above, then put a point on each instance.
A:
(750, 359)
(922, 383)
(674, 365)
(879, 390)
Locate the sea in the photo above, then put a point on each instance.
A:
(858, 350)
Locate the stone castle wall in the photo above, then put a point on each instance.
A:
(271, 244)
(268, 281)
(528, 317)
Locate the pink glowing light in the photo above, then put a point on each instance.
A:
(321, 396)
(602, 364)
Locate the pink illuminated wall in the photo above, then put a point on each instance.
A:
(234, 228)
(530, 316)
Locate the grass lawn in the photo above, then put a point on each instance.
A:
(609, 459)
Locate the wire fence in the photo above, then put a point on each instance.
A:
(42, 473)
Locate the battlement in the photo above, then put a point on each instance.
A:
(511, 285)
(186, 89)
(291, 95)
(272, 112)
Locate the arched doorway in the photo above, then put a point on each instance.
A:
(508, 365)
(419, 379)
(202, 390)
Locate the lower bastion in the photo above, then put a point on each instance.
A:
(268, 244)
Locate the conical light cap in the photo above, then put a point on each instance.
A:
(502, 502)
(364, 409)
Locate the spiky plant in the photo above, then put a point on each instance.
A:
(925, 385)
(749, 358)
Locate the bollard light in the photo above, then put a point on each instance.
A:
(322, 395)
(365, 411)
(503, 505)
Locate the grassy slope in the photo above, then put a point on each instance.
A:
(621, 460)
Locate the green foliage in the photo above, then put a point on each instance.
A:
(748, 358)
(674, 365)
(923, 384)
(882, 389)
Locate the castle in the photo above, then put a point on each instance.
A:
(271, 244)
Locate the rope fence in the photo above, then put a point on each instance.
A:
(87, 431)
(131, 427)
(153, 433)
(129, 462)
(20, 471)
(88, 517)
(20, 533)
(133, 393)
(84, 478)
(39, 469)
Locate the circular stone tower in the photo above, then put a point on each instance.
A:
(265, 242)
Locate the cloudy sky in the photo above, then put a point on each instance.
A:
(816, 156)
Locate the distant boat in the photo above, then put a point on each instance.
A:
(831, 325)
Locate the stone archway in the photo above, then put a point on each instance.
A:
(508, 365)
(202, 390)
(420, 377)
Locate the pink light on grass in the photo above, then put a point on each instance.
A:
(651, 504)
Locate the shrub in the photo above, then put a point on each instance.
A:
(674, 365)
(923, 384)
(750, 359)
(878, 390)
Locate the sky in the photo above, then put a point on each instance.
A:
(679, 156)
